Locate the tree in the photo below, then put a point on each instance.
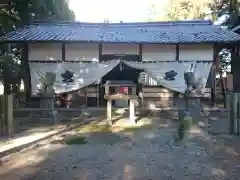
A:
(225, 11)
(172, 13)
(16, 13)
(186, 9)
(173, 10)
(156, 10)
(226, 14)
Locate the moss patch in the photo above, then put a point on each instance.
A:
(136, 128)
(94, 128)
(184, 127)
(105, 138)
(77, 140)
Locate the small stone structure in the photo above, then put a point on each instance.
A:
(46, 94)
(120, 96)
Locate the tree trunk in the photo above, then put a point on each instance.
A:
(6, 80)
(7, 113)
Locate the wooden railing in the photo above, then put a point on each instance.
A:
(159, 93)
(156, 95)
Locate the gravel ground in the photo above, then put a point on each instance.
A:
(145, 153)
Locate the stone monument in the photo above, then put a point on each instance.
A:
(46, 94)
(194, 111)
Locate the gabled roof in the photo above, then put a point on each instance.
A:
(152, 32)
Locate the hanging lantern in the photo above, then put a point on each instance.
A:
(142, 78)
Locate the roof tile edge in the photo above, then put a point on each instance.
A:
(157, 23)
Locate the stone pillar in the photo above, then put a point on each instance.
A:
(109, 110)
(7, 115)
(47, 102)
(132, 110)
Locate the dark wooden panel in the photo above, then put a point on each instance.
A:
(128, 57)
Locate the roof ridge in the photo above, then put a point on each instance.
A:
(157, 23)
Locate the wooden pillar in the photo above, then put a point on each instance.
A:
(235, 64)
(101, 89)
(27, 76)
(140, 49)
(213, 75)
(63, 52)
(100, 47)
(234, 113)
(237, 75)
(177, 52)
(86, 95)
(176, 94)
(213, 89)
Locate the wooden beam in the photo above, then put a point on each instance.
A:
(101, 89)
(177, 52)
(140, 51)
(63, 52)
(79, 61)
(100, 48)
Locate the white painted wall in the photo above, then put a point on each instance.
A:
(82, 52)
(120, 49)
(90, 51)
(45, 51)
(195, 52)
(158, 52)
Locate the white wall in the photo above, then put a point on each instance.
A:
(120, 49)
(82, 51)
(90, 51)
(45, 51)
(195, 52)
(158, 52)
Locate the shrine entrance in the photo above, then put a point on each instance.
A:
(121, 72)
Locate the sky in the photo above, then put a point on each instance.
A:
(113, 10)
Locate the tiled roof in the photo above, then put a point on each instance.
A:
(157, 32)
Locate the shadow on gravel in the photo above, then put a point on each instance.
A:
(126, 151)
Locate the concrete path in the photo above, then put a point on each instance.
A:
(26, 139)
